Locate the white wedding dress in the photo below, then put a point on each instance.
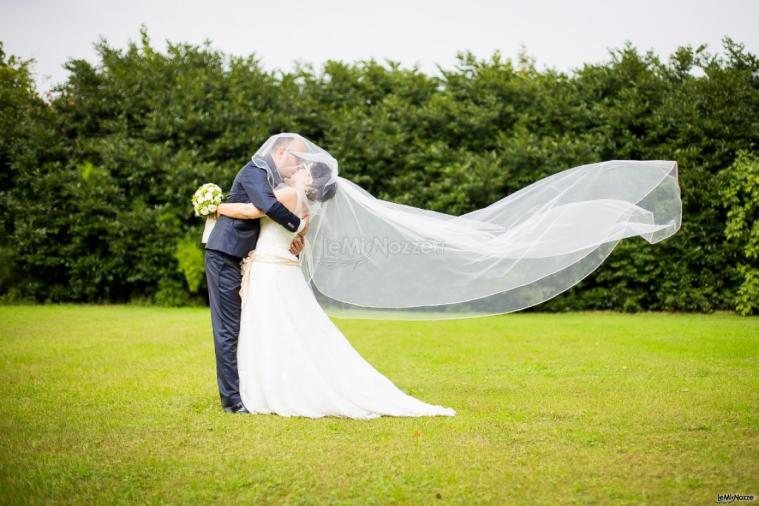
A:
(292, 360)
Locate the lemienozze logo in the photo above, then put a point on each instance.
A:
(731, 498)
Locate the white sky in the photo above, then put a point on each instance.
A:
(558, 34)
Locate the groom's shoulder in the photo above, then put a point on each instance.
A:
(247, 166)
(251, 167)
(250, 170)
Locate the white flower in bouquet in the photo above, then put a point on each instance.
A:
(206, 196)
(205, 202)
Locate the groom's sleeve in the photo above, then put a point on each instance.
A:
(261, 195)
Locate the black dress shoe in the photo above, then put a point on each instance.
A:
(237, 408)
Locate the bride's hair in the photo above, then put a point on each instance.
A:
(323, 187)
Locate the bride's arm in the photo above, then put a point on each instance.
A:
(246, 211)
(240, 211)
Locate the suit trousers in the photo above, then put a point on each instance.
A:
(224, 276)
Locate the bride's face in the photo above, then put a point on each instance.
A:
(301, 178)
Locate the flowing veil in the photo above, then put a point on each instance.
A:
(370, 258)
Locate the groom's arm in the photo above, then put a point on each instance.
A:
(256, 185)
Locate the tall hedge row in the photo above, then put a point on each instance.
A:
(95, 177)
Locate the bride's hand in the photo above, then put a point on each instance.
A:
(297, 245)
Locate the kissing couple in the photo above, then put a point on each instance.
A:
(277, 351)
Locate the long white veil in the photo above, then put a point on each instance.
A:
(370, 258)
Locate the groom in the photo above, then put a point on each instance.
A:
(232, 239)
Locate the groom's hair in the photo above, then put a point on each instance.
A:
(321, 188)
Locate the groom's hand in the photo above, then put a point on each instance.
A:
(297, 245)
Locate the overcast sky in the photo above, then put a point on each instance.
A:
(558, 34)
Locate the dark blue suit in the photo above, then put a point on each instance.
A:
(231, 240)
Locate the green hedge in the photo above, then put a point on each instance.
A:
(96, 178)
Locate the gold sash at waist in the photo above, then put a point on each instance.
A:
(255, 256)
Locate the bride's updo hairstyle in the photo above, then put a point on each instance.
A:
(323, 186)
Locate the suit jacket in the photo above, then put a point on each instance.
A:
(251, 185)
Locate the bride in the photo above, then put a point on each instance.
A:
(291, 359)
(369, 258)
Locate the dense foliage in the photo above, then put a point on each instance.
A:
(96, 177)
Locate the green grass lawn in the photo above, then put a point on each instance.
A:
(118, 404)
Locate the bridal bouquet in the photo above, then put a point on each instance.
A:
(205, 201)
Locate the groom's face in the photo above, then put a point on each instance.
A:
(287, 164)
